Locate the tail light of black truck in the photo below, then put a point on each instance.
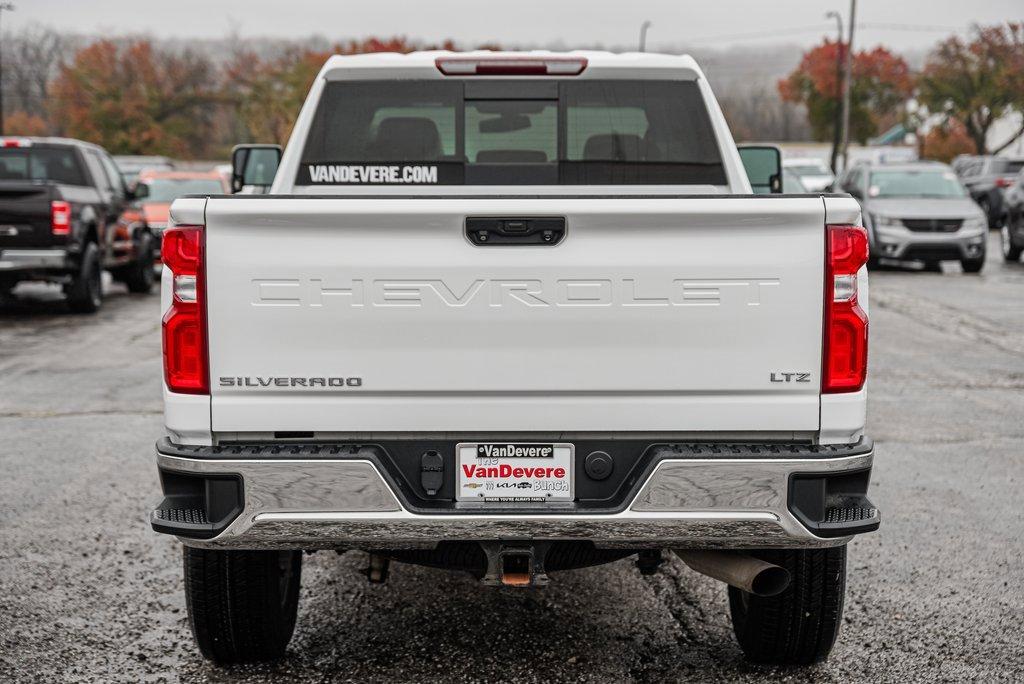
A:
(60, 217)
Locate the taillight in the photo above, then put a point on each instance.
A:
(60, 217)
(1004, 182)
(511, 66)
(184, 324)
(845, 345)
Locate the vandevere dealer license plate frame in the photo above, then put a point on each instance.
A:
(499, 489)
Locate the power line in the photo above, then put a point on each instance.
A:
(882, 26)
(824, 27)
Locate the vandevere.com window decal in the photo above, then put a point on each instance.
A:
(371, 174)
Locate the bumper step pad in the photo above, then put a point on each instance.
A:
(834, 505)
(843, 520)
(192, 516)
(850, 514)
(197, 506)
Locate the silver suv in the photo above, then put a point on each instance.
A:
(918, 211)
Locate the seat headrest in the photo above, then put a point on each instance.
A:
(612, 147)
(511, 157)
(406, 138)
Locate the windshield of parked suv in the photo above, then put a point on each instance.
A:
(511, 132)
(923, 183)
(170, 189)
(56, 164)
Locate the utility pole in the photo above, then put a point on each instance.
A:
(838, 123)
(846, 84)
(643, 35)
(8, 6)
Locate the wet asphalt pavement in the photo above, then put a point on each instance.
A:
(88, 592)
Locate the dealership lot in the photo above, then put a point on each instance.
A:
(88, 592)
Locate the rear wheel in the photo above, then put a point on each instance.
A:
(1011, 252)
(85, 292)
(800, 625)
(139, 276)
(242, 604)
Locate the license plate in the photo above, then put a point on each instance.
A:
(515, 472)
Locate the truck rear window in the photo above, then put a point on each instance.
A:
(511, 133)
(56, 164)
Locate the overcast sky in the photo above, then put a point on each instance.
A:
(903, 24)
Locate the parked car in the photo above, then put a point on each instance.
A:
(985, 179)
(60, 201)
(792, 184)
(155, 190)
(814, 173)
(1011, 233)
(131, 165)
(503, 320)
(918, 212)
(961, 161)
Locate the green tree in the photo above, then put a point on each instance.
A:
(976, 83)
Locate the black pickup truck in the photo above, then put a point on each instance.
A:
(60, 206)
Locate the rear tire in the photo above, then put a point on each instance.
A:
(800, 625)
(85, 292)
(1011, 252)
(139, 276)
(242, 604)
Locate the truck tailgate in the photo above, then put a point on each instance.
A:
(379, 315)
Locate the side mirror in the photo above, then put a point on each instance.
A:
(764, 168)
(254, 166)
(138, 191)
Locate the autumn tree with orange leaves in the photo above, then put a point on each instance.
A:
(134, 99)
(269, 92)
(945, 141)
(976, 83)
(881, 82)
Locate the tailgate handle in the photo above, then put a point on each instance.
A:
(485, 231)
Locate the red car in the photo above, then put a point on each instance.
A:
(155, 191)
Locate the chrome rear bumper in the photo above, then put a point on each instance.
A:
(684, 503)
(27, 259)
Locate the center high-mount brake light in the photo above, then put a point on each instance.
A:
(511, 66)
(845, 338)
(184, 324)
(60, 217)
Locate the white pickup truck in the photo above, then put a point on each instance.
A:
(511, 314)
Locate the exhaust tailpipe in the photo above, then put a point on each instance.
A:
(738, 570)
